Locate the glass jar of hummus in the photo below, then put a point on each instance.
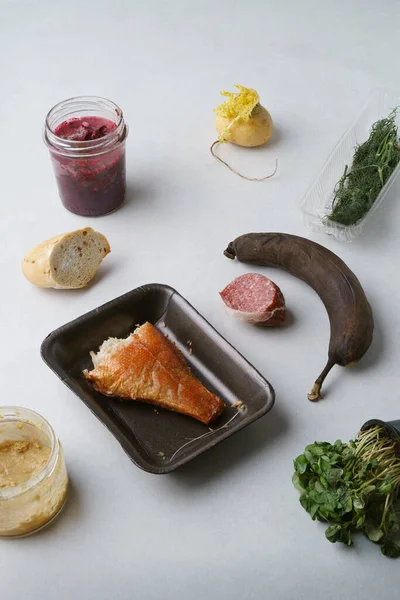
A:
(33, 475)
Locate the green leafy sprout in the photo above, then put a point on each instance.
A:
(354, 487)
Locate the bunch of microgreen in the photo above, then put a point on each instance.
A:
(373, 163)
(353, 486)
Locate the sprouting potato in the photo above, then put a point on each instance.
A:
(243, 121)
(256, 131)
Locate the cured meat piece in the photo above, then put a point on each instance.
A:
(256, 299)
(147, 366)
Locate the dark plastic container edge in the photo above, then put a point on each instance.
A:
(108, 422)
(391, 427)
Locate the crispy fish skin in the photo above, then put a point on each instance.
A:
(150, 368)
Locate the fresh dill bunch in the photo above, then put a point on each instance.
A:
(373, 163)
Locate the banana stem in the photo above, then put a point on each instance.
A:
(315, 393)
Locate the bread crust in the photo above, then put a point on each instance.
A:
(148, 367)
(37, 263)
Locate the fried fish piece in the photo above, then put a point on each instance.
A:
(147, 366)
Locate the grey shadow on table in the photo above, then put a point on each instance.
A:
(70, 513)
(383, 224)
(103, 271)
(233, 451)
(141, 192)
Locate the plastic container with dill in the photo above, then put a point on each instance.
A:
(330, 205)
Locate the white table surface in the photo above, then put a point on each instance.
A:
(229, 524)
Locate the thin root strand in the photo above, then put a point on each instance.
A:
(237, 172)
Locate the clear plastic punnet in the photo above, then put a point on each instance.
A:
(317, 203)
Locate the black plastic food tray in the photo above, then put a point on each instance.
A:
(152, 436)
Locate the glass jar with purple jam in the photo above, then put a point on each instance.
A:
(86, 138)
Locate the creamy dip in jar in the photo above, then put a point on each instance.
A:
(33, 475)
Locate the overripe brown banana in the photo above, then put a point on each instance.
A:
(349, 312)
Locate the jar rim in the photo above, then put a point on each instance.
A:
(12, 414)
(85, 148)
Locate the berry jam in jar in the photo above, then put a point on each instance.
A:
(86, 139)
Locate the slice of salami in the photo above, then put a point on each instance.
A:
(256, 299)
